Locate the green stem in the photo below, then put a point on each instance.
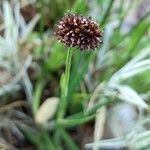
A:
(106, 15)
(69, 142)
(64, 85)
(69, 123)
(37, 96)
(67, 71)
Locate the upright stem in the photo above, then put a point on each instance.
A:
(67, 71)
(64, 85)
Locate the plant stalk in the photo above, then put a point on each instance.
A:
(64, 85)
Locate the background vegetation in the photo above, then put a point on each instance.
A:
(107, 105)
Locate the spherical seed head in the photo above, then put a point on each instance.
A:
(78, 31)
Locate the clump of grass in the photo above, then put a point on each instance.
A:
(74, 88)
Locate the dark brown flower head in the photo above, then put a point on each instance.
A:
(78, 31)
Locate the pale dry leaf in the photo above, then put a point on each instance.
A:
(99, 123)
(46, 110)
(130, 95)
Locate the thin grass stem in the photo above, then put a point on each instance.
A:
(64, 86)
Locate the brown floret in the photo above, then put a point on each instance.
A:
(78, 31)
